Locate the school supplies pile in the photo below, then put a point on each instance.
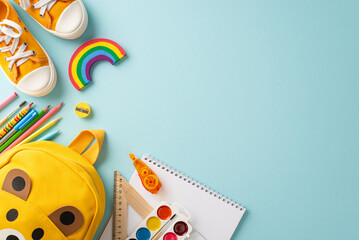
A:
(22, 127)
(213, 216)
(56, 190)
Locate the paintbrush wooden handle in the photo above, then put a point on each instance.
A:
(3, 121)
(157, 236)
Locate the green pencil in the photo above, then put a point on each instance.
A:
(13, 138)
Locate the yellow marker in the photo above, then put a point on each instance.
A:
(82, 110)
(38, 132)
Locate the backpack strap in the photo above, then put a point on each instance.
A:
(81, 144)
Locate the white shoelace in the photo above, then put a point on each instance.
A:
(6, 35)
(44, 5)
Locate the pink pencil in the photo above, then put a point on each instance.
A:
(8, 100)
(33, 128)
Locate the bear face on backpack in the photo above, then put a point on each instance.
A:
(48, 191)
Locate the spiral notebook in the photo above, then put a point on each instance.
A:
(213, 216)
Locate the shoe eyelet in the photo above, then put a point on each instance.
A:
(25, 43)
(33, 52)
(33, 6)
(25, 29)
(41, 15)
(18, 18)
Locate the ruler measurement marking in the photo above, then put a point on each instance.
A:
(124, 194)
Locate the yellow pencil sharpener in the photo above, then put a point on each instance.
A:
(82, 110)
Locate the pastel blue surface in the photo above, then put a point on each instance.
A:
(256, 99)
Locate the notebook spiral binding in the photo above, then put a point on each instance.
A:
(192, 182)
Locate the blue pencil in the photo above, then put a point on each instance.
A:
(49, 136)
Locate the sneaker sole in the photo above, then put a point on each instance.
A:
(78, 32)
(50, 86)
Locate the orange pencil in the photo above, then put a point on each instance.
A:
(34, 127)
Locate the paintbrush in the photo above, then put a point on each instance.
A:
(10, 114)
(159, 233)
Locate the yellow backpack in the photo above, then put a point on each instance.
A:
(52, 192)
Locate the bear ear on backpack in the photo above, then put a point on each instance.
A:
(17, 182)
(68, 219)
(82, 144)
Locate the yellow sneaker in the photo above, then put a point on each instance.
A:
(63, 18)
(23, 60)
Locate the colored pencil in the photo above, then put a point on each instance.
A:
(34, 127)
(8, 100)
(49, 136)
(19, 133)
(14, 120)
(20, 125)
(13, 111)
(38, 132)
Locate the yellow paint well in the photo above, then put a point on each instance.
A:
(153, 223)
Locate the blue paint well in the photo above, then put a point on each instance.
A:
(143, 234)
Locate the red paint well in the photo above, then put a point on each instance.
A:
(164, 212)
(170, 236)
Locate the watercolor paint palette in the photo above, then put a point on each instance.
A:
(165, 222)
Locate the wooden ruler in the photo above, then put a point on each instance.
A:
(124, 194)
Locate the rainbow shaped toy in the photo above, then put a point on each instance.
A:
(89, 53)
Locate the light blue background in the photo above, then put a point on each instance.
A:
(256, 99)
